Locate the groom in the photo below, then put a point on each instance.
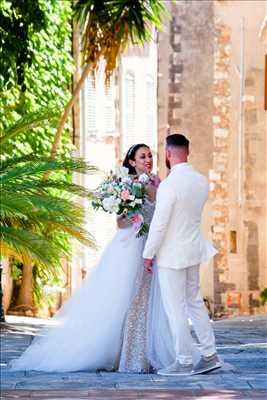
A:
(175, 240)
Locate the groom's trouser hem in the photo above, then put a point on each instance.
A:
(198, 313)
(185, 360)
(175, 308)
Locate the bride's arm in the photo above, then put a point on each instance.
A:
(152, 186)
(151, 192)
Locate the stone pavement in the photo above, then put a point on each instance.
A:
(241, 342)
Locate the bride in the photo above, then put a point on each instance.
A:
(115, 320)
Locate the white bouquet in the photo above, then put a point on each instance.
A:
(124, 195)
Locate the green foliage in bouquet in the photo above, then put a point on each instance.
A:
(138, 190)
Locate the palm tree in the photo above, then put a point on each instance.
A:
(33, 211)
(107, 26)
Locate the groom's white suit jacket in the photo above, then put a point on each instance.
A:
(174, 236)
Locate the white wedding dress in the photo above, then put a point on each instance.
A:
(115, 320)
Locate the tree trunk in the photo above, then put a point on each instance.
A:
(76, 114)
(2, 313)
(25, 297)
(67, 111)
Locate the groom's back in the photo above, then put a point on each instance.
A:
(175, 235)
(191, 189)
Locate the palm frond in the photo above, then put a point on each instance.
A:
(42, 187)
(14, 206)
(30, 213)
(27, 122)
(37, 166)
(39, 212)
(21, 242)
(38, 217)
(108, 25)
(75, 231)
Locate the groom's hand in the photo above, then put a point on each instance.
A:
(148, 264)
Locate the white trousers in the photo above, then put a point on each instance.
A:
(181, 297)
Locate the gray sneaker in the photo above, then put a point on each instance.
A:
(206, 364)
(176, 369)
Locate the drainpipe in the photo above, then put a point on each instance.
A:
(241, 74)
(2, 314)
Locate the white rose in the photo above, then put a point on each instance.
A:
(126, 180)
(115, 208)
(144, 178)
(122, 172)
(111, 204)
(139, 201)
(107, 203)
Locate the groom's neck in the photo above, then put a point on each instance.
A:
(178, 160)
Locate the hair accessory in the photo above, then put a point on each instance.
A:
(130, 151)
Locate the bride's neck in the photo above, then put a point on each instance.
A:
(142, 172)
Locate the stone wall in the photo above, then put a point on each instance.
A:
(199, 89)
(185, 99)
(244, 275)
(255, 213)
(185, 78)
(219, 175)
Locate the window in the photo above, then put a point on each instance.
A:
(150, 112)
(265, 84)
(91, 106)
(99, 107)
(129, 112)
(233, 242)
(109, 108)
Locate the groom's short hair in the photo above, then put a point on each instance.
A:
(177, 140)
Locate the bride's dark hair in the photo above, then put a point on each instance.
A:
(130, 155)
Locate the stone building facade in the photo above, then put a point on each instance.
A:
(211, 87)
(205, 76)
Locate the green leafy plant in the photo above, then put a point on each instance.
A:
(263, 296)
(47, 77)
(45, 41)
(19, 21)
(39, 217)
(16, 271)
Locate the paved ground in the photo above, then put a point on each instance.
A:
(241, 342)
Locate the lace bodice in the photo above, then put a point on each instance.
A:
(148, 210)
(134, 352)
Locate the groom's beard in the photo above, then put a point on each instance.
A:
(167, 162)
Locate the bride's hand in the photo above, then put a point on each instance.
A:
(148, 265)
(152, 186)
(151, 192)
(123, 222)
